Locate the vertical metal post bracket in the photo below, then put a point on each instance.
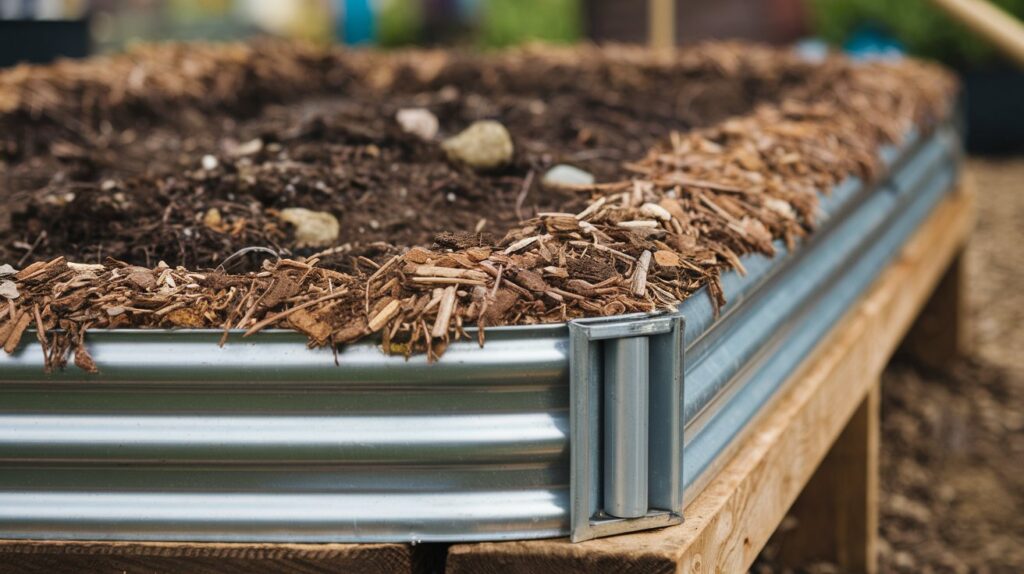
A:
(592, 427)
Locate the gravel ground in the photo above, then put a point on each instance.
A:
(952, 462)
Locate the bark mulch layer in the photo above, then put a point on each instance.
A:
(137, 187)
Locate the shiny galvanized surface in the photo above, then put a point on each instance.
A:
(266, 440)
(889, 218)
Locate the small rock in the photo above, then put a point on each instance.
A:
(312, 228)
(483, 145)
(9, 290)
(210, 162)
(566, 175)
(418, 121)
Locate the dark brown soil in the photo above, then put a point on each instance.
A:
(187, 157)
(129, 185)
(953, 442)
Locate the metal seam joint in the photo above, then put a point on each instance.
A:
(626, 427)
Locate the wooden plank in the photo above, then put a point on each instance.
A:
(661, 24)
(942, 333)
(729, 522)
(837, 512)
(57, 557)
(991, 22)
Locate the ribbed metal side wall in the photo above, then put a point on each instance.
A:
(738, 363)
(266, 440)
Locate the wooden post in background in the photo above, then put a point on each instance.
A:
(661, 25)
(837, 512)
(990, 22)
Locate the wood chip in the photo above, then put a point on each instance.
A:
(638, 284)
(444, 313)
(386, 314)
(17, 330)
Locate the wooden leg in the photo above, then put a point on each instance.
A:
(941, 332)
(837, 512)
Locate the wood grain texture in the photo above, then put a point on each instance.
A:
(729, 522)
(837, 512)
(942, 332)
(58, 557)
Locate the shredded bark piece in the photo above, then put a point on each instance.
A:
(667, 220)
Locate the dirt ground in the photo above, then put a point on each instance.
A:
(953, 442)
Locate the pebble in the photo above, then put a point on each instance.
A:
(210, 163)
(9, 290)
(567, 175)
(483, 145)
(312, 228)
(419, 122)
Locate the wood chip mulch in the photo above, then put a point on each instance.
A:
(694, 206)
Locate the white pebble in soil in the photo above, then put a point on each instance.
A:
(419, 122)
(566, 175)
(483, 145)
(312, 228)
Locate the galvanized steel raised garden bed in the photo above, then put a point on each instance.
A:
(267, 440)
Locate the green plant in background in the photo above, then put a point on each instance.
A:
(508, 22)
(922, 28)
(398, 22)
(488, 22)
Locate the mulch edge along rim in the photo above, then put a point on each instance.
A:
(696, 204)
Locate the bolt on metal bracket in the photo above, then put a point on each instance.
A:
(626, 424)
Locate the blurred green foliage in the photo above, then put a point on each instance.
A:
(398, 22)
(508, 22)
(922, 28)
(495, 22)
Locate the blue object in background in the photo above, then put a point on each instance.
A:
(357, 23)
(871, 42)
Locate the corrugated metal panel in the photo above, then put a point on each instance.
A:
(264, 439)
(887, 220)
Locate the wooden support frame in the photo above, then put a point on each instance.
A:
(942, 332)
(57, 557)
(837, 512)
(729, 522)
(820, 429)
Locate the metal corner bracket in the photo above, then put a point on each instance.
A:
(626, 424)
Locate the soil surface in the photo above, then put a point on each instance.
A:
(953, 442)
(141, 189)
(130, 184)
